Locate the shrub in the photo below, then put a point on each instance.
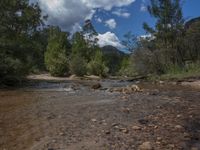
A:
(56, 58)
(78, 65)
(97, 66)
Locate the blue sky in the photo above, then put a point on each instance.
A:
(111, 18)
(191, 9)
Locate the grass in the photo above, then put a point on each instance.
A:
(176, 73)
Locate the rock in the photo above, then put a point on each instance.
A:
(96, 86)
(61, 134)
(124, 130)
(94, 120)
(115, 124)
(159, 138)
(178, 127)
(135, 88)
(107, 132)
(143, 121)
(92, 77)
(73, 77)
(146, 146)
(126, 110)
(136, 128)
(161, 82)
(194, 148)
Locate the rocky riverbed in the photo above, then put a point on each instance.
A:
(72, 115)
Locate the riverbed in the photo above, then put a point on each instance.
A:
(70, 115)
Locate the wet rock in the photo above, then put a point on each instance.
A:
(146, 146)
(96, 86)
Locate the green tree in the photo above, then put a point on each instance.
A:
(78, 65)
(169, 28)
(18, 22)
(192, 40)
(57, 54)
(97, 66)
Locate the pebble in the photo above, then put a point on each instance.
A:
(159, 138)
(124, 130)
(136, 128)
(146, 146)
(178, 127)
(93, 120)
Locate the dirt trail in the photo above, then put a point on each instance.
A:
(72, 116)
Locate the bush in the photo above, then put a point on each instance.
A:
(57, 64)
(56, 58)
(97, 66)
(11, 70)
(78, 65)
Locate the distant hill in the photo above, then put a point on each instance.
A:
(108, 49)
(190, 22)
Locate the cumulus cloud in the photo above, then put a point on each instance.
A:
(67, 13)
(109, 38)
(111, 23)
(121, 13)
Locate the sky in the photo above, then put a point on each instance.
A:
(111, 18)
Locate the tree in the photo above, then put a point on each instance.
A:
(169, 28)
(80, 46)
(18, 22)
(78, 65)
(192, 40)
(97, 66)
(57, 54)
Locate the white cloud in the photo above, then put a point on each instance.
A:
(107, 4)
(67, 13)
(121, 13)
(111, 23)
(109, 38)
(99, 20)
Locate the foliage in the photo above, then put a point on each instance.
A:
(56, 56)
(18, 23)
(97, 66)
(78, 65)
(169, 29)
(192, 40)
(127, 67)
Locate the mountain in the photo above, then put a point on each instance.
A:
(108, 49)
